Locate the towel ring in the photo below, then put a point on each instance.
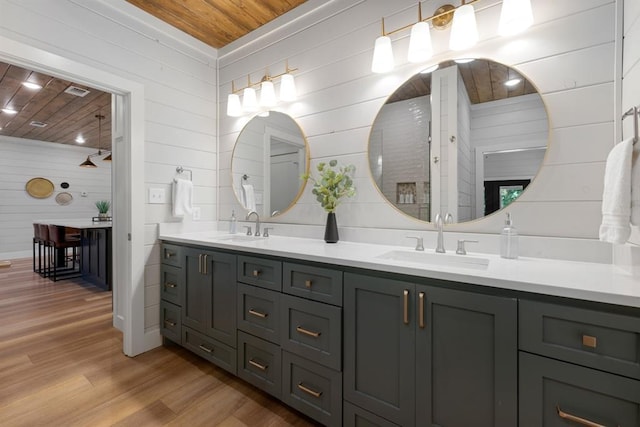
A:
(180, 170)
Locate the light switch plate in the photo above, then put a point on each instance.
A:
(195, 213)
(157, 195)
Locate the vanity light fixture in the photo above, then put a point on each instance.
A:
(268, 98)
(515, 16)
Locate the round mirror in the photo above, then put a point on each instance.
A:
(464, 139)
(268, 160)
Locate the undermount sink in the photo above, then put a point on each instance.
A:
(236, 238)
(424, 258)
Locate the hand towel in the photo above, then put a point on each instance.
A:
(249, 197)
(635, 185)
(182, 197)
(616, 198)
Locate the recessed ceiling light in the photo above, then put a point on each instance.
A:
(430, 69)
(31, 85)
(80, 139)
(463, 60)
(512, 82)
(9, 111)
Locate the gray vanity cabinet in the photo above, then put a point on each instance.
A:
(416, 355)
(209, 301)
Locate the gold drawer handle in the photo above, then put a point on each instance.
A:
(258, 314)
(589, 341)
(258, 365)
(578, 420)
(203, 348)
(170, 323)
(302, 330)
(421, 308)
(256, 273)
(405, 307)
(168, 254)
(309, 391)
(308, 283)
(170, 285)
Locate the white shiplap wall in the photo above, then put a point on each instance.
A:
(569, 54)
(180, 89)
(24, 159)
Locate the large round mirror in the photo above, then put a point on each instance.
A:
(268, 160)
(465, 139)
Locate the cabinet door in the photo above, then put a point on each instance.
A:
(209, 294)
(379, 349)
(466, 359)
(559, 394)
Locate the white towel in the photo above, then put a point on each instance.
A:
(182, 197)
(635, 186)
(616, 198)
(248, 197)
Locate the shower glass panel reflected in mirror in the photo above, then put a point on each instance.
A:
(268, 160)
(450, 141)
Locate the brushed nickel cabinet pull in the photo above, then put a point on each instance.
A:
(405, 309)
(589, 341)
(576, 419)
(203, 348)
(421, 308)
(258, 365)
(308, 283)
(258, 314)
(170, 285)
(302, 330)
(256, 273)
(309, 391)
(168, 254)
(200, 263)
(170, 323)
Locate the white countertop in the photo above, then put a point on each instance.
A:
(581, 280)
(75, 223)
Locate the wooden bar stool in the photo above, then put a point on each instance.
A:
(63, 265)
(41, 236)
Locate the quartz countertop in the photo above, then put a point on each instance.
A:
(75, 223)
(581, 280)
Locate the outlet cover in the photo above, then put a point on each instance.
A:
(157, 195)
(195, 213)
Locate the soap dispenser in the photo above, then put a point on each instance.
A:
(509, 240)
(233, 223)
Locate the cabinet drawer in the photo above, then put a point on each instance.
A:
(171, 255)
(549, 386)
(214, 351)
(319, 284)
(260, 363)
(312, 389)
(312, 330)
(601, 340)
(354, 416)
(260, 272)
(171, 283)
(171, 321)
(259, 312)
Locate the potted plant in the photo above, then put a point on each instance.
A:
(334, 183)
(103, 209)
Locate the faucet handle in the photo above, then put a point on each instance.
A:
(248, 227)
(419, 242)
(265, 231)
(461, 250)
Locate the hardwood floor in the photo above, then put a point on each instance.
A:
(61, 364)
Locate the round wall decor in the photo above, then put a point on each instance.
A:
(64, 198)
(64, 185)
(40, 188)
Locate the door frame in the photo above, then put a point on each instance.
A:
(128, 235)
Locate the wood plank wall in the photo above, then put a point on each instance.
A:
(569, 54)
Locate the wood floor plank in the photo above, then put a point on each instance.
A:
(61, 364)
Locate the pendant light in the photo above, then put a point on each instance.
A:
(88, 163)
(464, 30)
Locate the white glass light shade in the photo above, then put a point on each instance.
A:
(234, 108)
(420, 48)
(515, 17)
(382, 55)
(287, 88)
(249, 100)
(267, 95)
(464, 31)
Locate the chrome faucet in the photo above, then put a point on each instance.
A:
(257, 233)
(439, 222)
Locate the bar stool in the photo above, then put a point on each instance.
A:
(59, 245)
(41, 232)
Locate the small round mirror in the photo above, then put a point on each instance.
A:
(268, 160)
